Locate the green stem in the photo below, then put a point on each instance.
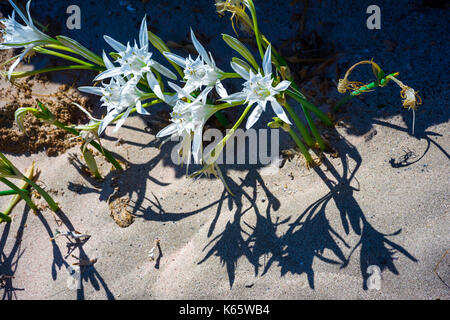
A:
(256, 28)
(314, 130)
(308, 105)
(11, 192)
(228, 105)
(300, 126)
(97, 146)
(301, 146)
(9, 60)
(19, 191)
(238, 123)
(218, 148)
(363, 89)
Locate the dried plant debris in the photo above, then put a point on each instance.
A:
(3, 279)
(119, 211)
(151, 254)
(84, 262)
(76, 235)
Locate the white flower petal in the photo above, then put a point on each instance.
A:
(241, 71)
(200, 49)
(121, 121)
(154, 85)
(116, 71)
(238, 96)
(175, 58)
(267, 61)
(221, 91)
(30, 20)
(108, 63)
(253, 117)
(181, 92)
(106, 121)
(140, 109)
(20, 12)
(163, 70)
(143, 32)
(185, 148)
(85, 111)
(204, 95)
(13, 66)
(114, 44)
(92, 90)
(170, 100)
(197, 144)
(279, 111)
(283, 85)
(170, 129)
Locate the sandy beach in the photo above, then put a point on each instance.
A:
(290, 233)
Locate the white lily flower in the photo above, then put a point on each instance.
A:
(16, 35)
(199, 72)
(188, 118)
(136, 61)
(88, 132)
(258, 89)
(118, 96)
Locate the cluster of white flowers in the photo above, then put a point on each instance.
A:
(189, 118)
(135, 64)
(132, 76)
(16, 35)
(190, 105)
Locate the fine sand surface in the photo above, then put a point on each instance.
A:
(292, 233)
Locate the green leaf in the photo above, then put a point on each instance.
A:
(4, 217)
(80, 49)
(242, 63)
(159, 44)
(238, 46)
(91, 163)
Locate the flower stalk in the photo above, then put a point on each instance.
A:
(45, 115)
(278, 123)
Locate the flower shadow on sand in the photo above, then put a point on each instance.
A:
(309, 235)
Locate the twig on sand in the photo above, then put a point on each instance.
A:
(70, 234)
(437, 265)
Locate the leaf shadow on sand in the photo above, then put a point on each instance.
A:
(8, 264)
(87, 273)
(309, 236)
(10, 261)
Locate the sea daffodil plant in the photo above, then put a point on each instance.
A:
(133, 81)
